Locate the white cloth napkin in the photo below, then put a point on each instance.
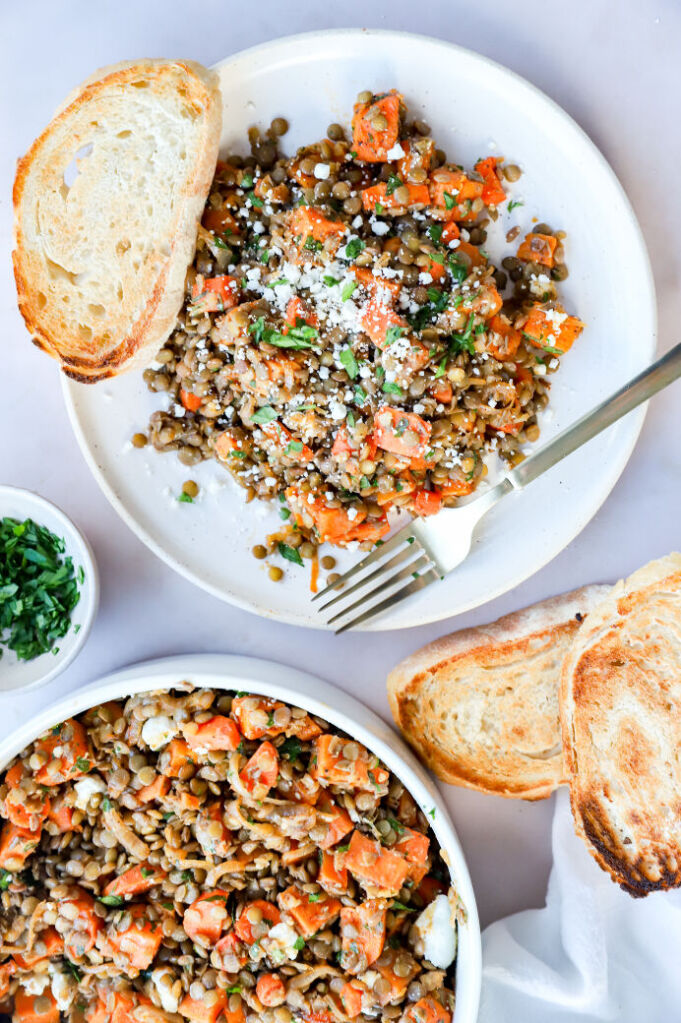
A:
(592, 953)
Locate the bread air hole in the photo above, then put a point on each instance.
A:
(73, 169)
(84, 332)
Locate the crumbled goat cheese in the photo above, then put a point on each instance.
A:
(396, 153)
(437, 930)
(86, 789)
(322, 171)
(158, 731)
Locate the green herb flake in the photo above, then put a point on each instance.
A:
(312, 245)
(450, 201)
(431, 813)
(379, 209)
(5, 880)
(353, 248)
(513, 204)
(435, 233)
(393, 334)
(111, 900)
(315, 897)
(290, 748)
(247, 181)
(393, 184)
(347, 290)
(185, 498)
(264, 415)
(349, 362)
(290, 553)
(390, 388)
(235, 989)
(401, 906)
(350, 419)
(330, 281)
(83, 765)
(299, 944)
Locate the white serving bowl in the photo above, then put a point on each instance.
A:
(15, 674)
(343, 711)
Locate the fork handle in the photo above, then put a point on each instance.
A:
(644, 386)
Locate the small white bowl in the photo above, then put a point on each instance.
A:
(267, 678)
(15, 674)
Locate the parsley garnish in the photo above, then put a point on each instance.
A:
(185, 498)
(400, 905)
(82, 764)
(312, 245)
(299, 944)
(393, 333)
(290, 553)
(360, 395)
(38, 588)
(330, 281)
(379, 209)
(293, 446)
(457, 269)
(314, 897)
(291, 748)
(435, 232)
(390, 388)
(393, 183)
(354, 247)
(450, 201)
(513, 204)
(247, 181)
(111, 900)
(347, 290)
(264, 415)
(5, 880)
(349, 362)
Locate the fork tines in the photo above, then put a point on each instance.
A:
(402, 567)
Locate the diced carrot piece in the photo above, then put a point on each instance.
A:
(337, 820)
(332, 877)
(270, 989)
(220, 222)
(74, 757)
(485, 301)
(442, 391)
(492, 190)
(255, 716)
(84, 927)
(383, 195)
(418, 156)
(155, 791)
(16, 845)
(215, 294)
(218, 733)
(375, 867)
(333, 768)
(383, 325)
(503, 340)
(398, 982)
(243, 927)
(200, 1010)
(26, 810)
(140, 878)
(450, 232)
(552, 328)
(305, 790)
(266, 189)
(142, 939)
(426, 502)
(414, 845)
(7, 971)
(383, 289)
(297, 310)
(538, 248)
(334, 525)
(371, 140)
(48, 944)
(214, 838)
(192, 402)
(230, 945)
(25, 1010)
(284, 439)
(429, 887)
(435, 266)
(260, 772)
(351, 995)
(404, 433)
(451, 188)
(456, 487)
(174, 757)
(311, 912)
(341, 443)
(227, 445)
(427, 1010)
(475, 256)
(14, 775)
(207, 918)
(365, 925)
(310, 222)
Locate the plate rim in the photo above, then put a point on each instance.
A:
(615, 467)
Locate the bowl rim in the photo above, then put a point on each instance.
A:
(278, 51)
(271, 678)
(84, 553)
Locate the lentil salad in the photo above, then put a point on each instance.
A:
(346, 344)
(217, 857)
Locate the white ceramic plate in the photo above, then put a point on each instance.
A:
(475, 108)
(318, 697)
(16, 674)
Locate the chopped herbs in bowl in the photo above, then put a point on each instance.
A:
(48, 589)
(39, 588)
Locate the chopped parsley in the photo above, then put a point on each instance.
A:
(290, 748)
(290, 553)
(312, 245)
(111, 900)
(390, 388)
(185, 498)
(348, 288)
(393, 334)
(513, 204)
(83, 765)
(299, 944)
(450, 201)
(349, 362)
(264, 415)
(354, 247)
(393, 184)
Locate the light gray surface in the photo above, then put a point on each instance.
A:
(614, 66)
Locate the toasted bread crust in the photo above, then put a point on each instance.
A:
(480, 707)
(621, 733)
(130, 336)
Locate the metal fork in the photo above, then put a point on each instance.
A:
(428, 549)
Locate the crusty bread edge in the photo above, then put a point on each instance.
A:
(165, 301)
(480, 640)
(589, 823)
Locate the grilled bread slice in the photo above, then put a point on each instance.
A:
(480, 707)
(107, 203)
(621, 719)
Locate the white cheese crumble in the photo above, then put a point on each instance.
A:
(322, 171)
(396, 153)
(280, 942)
(436, 929)
(63, 989)
(158, 731)
(86, 788)
(35, 983)
(168, 1002)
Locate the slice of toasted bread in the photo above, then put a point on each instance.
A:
(480, 707)
(621, 719)
(107, 203)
